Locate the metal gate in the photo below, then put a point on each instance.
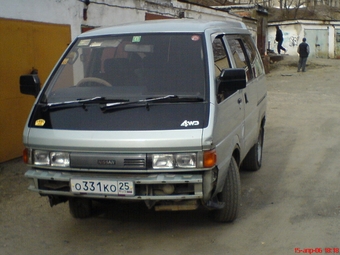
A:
(318, 42)
(337, 43)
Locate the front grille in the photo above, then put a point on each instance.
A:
(138, 163)
(108, 161)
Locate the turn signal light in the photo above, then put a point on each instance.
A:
(26, 156)
(209, 158)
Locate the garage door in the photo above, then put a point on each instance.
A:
(318, 42)
(24, 46)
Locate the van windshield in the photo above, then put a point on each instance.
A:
(130, 67)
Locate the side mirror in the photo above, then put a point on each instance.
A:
(233, 79)
(230, 81)
(30, 84)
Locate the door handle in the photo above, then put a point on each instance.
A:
(239, 100)
(246, 98)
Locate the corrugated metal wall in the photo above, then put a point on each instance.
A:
(24, 45)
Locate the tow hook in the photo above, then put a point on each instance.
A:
(54, 200)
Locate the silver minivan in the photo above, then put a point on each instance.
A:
(164, 112)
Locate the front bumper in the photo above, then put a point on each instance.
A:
(186, 186)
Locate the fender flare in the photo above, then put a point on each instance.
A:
(222, 173)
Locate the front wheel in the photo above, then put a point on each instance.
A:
(230, 195)
(80, 208)
(253, 160)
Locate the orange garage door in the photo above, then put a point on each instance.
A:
(24, 45)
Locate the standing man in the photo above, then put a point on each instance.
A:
(279, 39)
(303, 51)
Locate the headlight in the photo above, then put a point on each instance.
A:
(41, 158)
(47, 158)
(60, 159)
(162, 161)
(171, 161)
(186, 160)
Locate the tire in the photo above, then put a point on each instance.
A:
(253, 160)
(80, 208)
(230, 195)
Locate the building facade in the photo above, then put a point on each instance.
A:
(323, 37)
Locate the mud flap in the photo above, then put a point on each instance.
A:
(213, 203)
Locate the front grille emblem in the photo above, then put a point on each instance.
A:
(106, 162)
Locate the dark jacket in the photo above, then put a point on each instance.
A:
(303, 49)
(279, 35)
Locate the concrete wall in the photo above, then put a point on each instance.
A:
(102, 12)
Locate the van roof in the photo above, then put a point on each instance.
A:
(169, 26)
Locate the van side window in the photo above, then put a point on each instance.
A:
(220, 56)
(240, 57)
(221, 61)
(254, 57)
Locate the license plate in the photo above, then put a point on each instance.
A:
(118, 188)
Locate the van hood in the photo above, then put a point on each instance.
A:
(143, 117)
(118, 142)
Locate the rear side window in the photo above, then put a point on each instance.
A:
(254, 57)
(246, 56)
(240, 56)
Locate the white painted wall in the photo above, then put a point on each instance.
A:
(49, 11)
(331, 41)
(102, 12)
(292, 36)
(293, 32)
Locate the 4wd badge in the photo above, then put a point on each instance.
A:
(190, 123)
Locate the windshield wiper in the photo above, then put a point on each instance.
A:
(145, 102)
(142, 102)
(108, 105)
(79, 102)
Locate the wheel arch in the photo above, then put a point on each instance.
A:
(222, 173)
(263, 120)
(237, 155)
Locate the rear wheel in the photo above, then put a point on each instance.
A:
(253, 160)
(80, 208)
(230, 195)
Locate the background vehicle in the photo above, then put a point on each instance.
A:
(163, 112)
